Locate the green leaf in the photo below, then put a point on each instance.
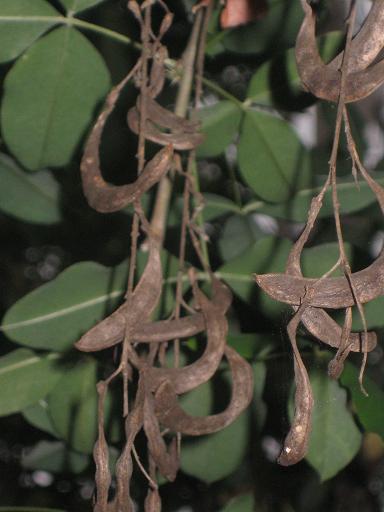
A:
(38, 416)
(54, 456)
(250, 345)
(215, 205)
(198, 402)
(335, 438)
(238, 233)
(25, 378)
(352, 199)
(278, 29)
(32, 198)
(73, 406)
(21, 23)
(373, 312)
(279, 75)
(211, 458)
(220, 125)
(74, 6)
(368, 408)
(317, 260)
(244, 503)
(271, 159)
(55, 315)
(266, 255)
(50, 96)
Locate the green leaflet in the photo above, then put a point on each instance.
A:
(369, 409)
(54, 457)
(25, 378)
(352, 199)
(45, 111)
(73, 406)
(21, 23)
(55, 315)
(220, 123)
(38, 416)
(271, 158)
(238, 233)
(335, 438)
(28, 197)
(216, 456)
(74, 6)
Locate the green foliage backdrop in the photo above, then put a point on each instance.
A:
(59, 59)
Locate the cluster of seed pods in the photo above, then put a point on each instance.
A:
(155, 405)
(349, 77)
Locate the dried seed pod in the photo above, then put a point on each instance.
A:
(324, 80)
(179, 140)
(189, 377)
(167, 461)
(296, 442)
(103, 196)
(172, 416)
(332, 292)
(124, 467)
(111, 330)
(325, 329)
(157, 76)
(336, 366)
(101, 456)
(139, 309)
(167, 119)
(367, 43)
(152, 501)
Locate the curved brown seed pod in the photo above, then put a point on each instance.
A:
(367, 43)
(324, 81)
(180, 141)
(296, 442)
(157, 75)
(143, 301)
(167, 119)
(323, 327)
(124, 467)
(101, 455)
(167, 461)
(147, 292)
(102, 196)
(189, 377)
(336, 366)
(332, 292)
(172, 416)
(152, 501)
(111, 330)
